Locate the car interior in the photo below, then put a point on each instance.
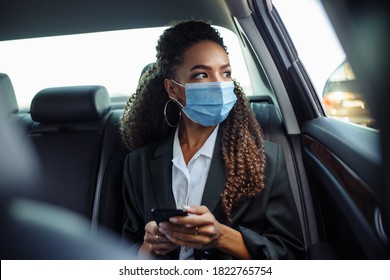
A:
(73, 130)
(76, 136)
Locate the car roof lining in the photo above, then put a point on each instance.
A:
(29, 19)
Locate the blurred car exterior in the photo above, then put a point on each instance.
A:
(342, 97)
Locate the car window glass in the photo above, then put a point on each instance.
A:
(113, 59)
(324, 59)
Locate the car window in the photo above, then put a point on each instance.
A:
(113, 59)
(324, 60)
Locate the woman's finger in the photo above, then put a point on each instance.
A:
(197, 241)
(198, 216)
(197, 210)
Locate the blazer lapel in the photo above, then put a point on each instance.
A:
(216, 178)
(161, 172)
(215, 183)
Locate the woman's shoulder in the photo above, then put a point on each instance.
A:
(144, 151)
(151, 149)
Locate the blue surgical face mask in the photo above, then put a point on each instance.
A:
(208, 103)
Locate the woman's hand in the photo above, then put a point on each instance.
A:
(155, 242)
(200, 230)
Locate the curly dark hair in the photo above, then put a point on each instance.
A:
(242, 140)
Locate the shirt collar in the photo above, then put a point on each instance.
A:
(208, 147)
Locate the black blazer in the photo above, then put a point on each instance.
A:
(269, 222)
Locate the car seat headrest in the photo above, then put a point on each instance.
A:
(70, 104)
(7, 96)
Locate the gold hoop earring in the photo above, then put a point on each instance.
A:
(165, 112)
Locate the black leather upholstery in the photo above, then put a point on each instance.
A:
(273, 129)
(67, 130)
(70, 104)
(269, 118)
(108, 208)
(31, 229)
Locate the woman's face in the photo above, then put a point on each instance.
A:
(204, 62)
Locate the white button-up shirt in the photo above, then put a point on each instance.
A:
(188, 181)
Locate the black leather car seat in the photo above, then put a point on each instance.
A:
(108, 210)
(76, 135)
(67, 131)
(32, 229)
(267, 114)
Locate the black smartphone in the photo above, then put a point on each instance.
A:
(163, 214)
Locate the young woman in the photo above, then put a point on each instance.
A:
(195, 144)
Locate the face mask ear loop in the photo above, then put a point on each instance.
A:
(179, 84)
(165, 111)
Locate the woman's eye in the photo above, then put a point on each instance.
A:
(227, 74)
(200, 76)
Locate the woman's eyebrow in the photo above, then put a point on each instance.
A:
(200, 66)
(203, 66)
(227, 65)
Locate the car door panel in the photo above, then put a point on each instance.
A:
(343, 163)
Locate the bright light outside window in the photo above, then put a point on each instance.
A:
(322, 53)
(324, 60)
(113, 59)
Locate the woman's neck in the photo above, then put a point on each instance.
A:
(192, 136)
